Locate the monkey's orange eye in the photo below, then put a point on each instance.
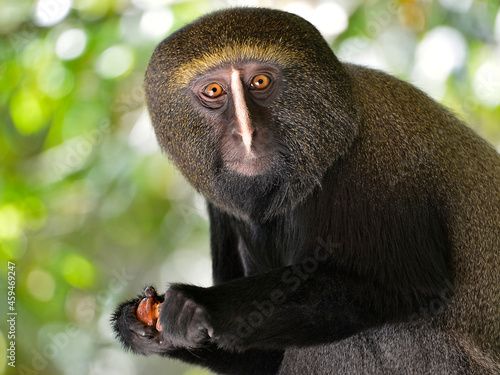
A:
(213, 90)
(260, 82)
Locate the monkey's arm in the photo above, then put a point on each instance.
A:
(283, 308)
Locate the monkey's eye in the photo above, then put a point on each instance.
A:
(213, 90)
(260, 82)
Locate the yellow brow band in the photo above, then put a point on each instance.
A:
(269, 54)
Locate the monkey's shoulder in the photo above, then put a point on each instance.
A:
(397, 116)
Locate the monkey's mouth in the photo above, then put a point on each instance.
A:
(250, 165)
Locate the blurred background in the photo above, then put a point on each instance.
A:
(91, 211)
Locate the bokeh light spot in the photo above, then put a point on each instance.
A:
(328, 17)
(71, 44)
(78, 271)
(55, 80)
(41, 285)
(11, 220)
(156, 23)
(486, 83)
(442, 50)
(27, 112)
(115, 62)
(51, 12)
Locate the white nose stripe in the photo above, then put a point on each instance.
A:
(241, 110)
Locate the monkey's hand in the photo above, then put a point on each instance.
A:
(133, 333)
(182, 323)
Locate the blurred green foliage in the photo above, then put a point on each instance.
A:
(91, 211)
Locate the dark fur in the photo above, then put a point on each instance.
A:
(370, 245)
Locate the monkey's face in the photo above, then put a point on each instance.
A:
(236, 100)
(252, 106)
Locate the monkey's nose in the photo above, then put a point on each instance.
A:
(244, 136)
